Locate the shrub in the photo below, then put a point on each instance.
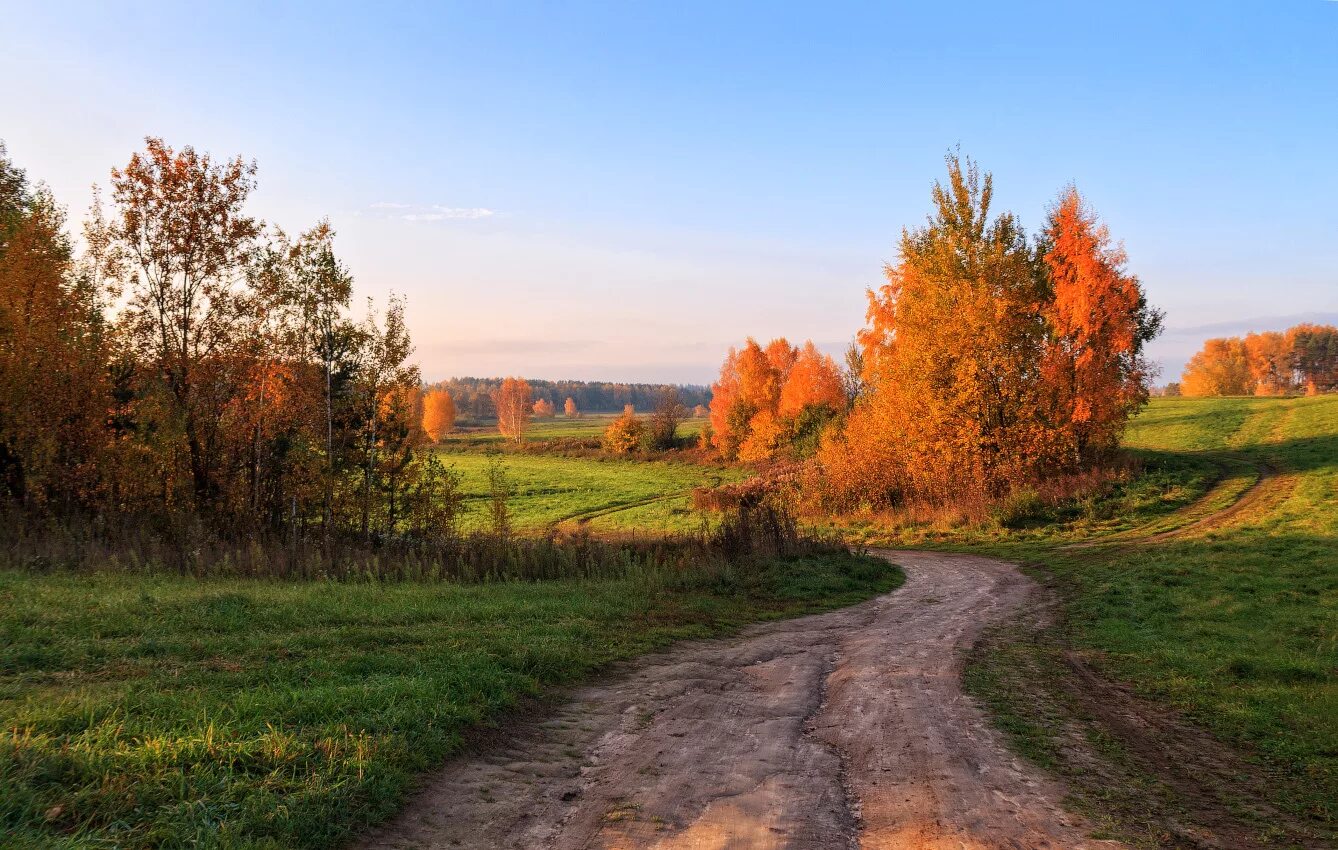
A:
(624, 435)
(1021, 506)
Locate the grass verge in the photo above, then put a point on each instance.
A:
(142, 711)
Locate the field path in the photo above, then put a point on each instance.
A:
(846, 729)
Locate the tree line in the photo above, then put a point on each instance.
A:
(474, 398)
(991, 361)
(1303, 358)
(193, 365)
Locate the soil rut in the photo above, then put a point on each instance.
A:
(846, 729)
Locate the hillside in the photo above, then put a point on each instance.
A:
(1221, 602)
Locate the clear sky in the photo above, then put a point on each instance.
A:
(622, 190)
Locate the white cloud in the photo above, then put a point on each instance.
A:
(432, 212)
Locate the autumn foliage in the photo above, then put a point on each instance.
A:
(569, 408)
(194, 369)
(767, 399)
(543, 409)
(1303, 358)
(989, 361)
(624, 434)
(438, 414)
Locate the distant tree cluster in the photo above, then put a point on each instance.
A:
(194, 367)
(1303, 358)
(473, 396)
(990, 361)
(771, 401)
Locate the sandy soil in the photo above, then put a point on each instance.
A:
(847, 729)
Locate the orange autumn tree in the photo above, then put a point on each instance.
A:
(438, 414)
(772, 400)
(977, 372)
(543, 409)
(1302, 358)
(814, 379)
(569, 408)
(1268, 356)
(513, 400)
(1093, 368)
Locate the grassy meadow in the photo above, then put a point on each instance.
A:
(1232, 620)
(561, 480)
(601, 493)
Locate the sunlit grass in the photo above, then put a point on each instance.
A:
(552, 488)
(1235, 624)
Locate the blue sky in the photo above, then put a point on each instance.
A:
(622, 190)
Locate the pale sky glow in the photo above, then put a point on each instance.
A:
(622, 191)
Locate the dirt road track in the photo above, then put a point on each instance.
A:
(847, 729)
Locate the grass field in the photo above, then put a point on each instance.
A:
(606, 494)
(588, 426)
(160, 711)
(1233, 620)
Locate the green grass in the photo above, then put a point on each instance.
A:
(1236, 625)
(586, 427)
(160, 711)
(553, 488)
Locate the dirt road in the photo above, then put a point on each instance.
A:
(846, 729)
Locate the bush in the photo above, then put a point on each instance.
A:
(624, 435)
(1020, 507)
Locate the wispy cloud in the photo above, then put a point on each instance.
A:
(430, 212)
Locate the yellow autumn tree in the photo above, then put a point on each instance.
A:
(569, 408)
(1221, 367)
(543, 409)
(951, 359)
(624, 434)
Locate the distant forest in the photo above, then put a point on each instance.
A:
(473, 396)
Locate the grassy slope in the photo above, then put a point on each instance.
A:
(157, 711)
(1236, 625)
(551, 488)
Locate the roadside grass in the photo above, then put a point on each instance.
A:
(1235, 624)
(551, 489)
(157, 711)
